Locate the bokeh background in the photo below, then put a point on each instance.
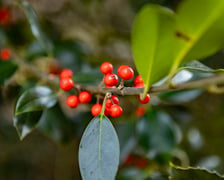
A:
(83, 34)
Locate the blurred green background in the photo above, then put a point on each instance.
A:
(183, 127)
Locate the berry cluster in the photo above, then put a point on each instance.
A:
(66, 83)
(112, 107)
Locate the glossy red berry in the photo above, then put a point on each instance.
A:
(96, 109)
(106, 68)
(66, 84)
(66, 73)
(116, 111)
(84, 97)
(111, 79)
(146, 100)
(126, 73)
(138, 80)
(140, 85)
(72, 101)
(110, 102)
(5, 54)
(107, 111)
(120, 68)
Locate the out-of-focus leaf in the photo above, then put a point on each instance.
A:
(55, 124)
(198, 34)
(29, 107)
(7, 69)
(35, 50)
(99, 150)
(193, 173)
(157, 133)
(152, 43)
(36, 28)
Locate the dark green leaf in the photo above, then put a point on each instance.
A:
(29, 108)
(152, 40)
(193, 173)
(198, 33)
(36, 28)
(99, 151)
(7, 69)
(157, 133)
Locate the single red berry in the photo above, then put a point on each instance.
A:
(140, 111)
(5, 15)
(126, 73)
(66, 84)
(5, 54)
(115, 100)
(84, 97)
(54, 68)
(66, 73)
(146, 100)
(120, 68)
(96, 109)
(140, 85)
(111, 79)
(116, 111)
(72, 101)
(138, 80)
(129, 160)
(107, 111)
(106, 68)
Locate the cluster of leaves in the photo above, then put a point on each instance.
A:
(161, 41)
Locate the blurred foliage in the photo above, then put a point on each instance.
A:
(183, 127)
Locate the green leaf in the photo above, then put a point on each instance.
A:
(99, 150)
(193, 173)
(157, 133)
(152, 40)
(198, 33)
(7, 69)
(29, 107)
(36, 28)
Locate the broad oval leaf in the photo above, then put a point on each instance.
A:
(36, 28)
(29, 107)
(7, 69)
(152, 43)
(99, 150)
(198, 33)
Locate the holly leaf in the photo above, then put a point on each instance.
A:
(29, 107)
(152, 43)
(99, 150)
(7, 69)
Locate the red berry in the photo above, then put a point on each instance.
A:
(115, 100)
(129, 160)
(140, 85)
(141, 163)
(107, 111)
(106, 68)
(5, 15)
(111, 79)
(5, 54)
(120, 68)
(72, 101)
(140, 111)
(66, 73)
(116, 111)
(66, 84)
(146, 100)
(84, 97)
(96, 109)
(110, 86)
(126, 73)
(138, 80)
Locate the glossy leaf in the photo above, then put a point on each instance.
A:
(36, 28)
(157, 133)
(99, 150)
(29, 107)
(7, 69)
(152, 40)
(198, 33)
(193, 173)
